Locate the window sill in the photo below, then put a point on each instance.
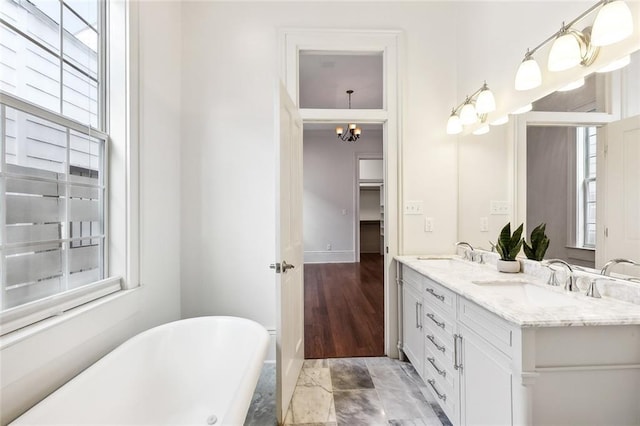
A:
(32, 330)
(581, 248)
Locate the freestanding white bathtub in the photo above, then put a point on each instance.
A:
(199, 371)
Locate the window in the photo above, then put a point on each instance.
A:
(586, 145)
(53, 146)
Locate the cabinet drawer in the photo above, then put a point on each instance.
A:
(437, 295)
(492, 328)
(447, 401)
(437, 321)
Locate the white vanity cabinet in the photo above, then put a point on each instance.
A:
(543, 367)
(464, 365)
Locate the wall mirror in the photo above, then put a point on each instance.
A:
(579, 169)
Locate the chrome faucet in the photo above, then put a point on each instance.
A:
(466, 257)
(570, 283)
(612, 262)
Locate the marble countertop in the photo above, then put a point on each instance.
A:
(458, 275)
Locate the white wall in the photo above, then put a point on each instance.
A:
(329, 190)
(370, 203)
(35, 366)
(230, 62)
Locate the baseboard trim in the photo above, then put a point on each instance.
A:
(334, 256)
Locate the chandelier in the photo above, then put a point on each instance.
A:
(353, 131)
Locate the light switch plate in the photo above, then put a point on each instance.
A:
(428, 224)
(484, 224)
(414, 207)
(500, 207)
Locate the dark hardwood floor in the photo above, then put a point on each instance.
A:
(344, 308)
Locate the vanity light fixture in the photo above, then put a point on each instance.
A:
(454, 125)
(616, 65)
(613, 23)
(500, 121)
(474, 108)
(572, 47)
(572, 86)
(353, 131)
(528, 75)
(523, 109)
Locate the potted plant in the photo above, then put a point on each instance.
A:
(508, 247)
(539, 243)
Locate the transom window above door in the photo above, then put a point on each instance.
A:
(325, 77)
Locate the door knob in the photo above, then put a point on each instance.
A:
(286, 266)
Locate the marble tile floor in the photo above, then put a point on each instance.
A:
(349, 391)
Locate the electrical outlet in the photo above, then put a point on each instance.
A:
(413, 207)
(428, 224)
(500, 208)
(484, 224)
(329, 247)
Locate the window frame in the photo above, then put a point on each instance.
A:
(583, 179)
(125, 47)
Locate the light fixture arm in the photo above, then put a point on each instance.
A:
(553, 36)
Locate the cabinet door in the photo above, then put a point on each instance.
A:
(413, 343)
(485, 382)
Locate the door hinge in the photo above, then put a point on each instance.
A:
(606, 232)
(387, 249)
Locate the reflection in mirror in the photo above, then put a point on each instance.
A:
(561, 189)
(569, 177)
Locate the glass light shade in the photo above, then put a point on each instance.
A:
(565, 53)
(612, 24)
(500, 121)
(454, 125)
(339, 131)
(528, 75)
(468, 114)
(481, 130)
(485, 102)
(357, 131)
(572, 86)
(352, 126)
(524, 109)
(616, 65)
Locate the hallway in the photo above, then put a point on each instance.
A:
(344, 308)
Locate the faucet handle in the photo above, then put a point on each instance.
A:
(592, 291)
(553, 278)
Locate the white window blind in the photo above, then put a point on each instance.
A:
(52, 159)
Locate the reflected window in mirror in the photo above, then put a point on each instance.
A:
(588, 97)
(586, 150)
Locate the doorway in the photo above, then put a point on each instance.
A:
(344, 243)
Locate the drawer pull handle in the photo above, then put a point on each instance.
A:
(433, 363)
(433, 340)
(457, 352)
(433, 386)
(438, 323)
(434, 294)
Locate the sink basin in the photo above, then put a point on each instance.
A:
(526, 293)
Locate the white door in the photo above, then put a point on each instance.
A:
(621, 198)
(289, 250)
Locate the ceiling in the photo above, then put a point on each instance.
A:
(324, 79)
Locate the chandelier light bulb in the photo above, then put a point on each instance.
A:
(616, 65)
(528, 75)
(484, 129)
(523, 109)
(485, 102)
(454, 125)
(572, 86)
(565, 52)
(357, 131)
(468, 113)
(613, 23)
(500, 121)
(339, 131)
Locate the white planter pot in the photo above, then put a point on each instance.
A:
(509, 266)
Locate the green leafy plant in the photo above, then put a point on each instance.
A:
(509, 245)
(539, 243)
